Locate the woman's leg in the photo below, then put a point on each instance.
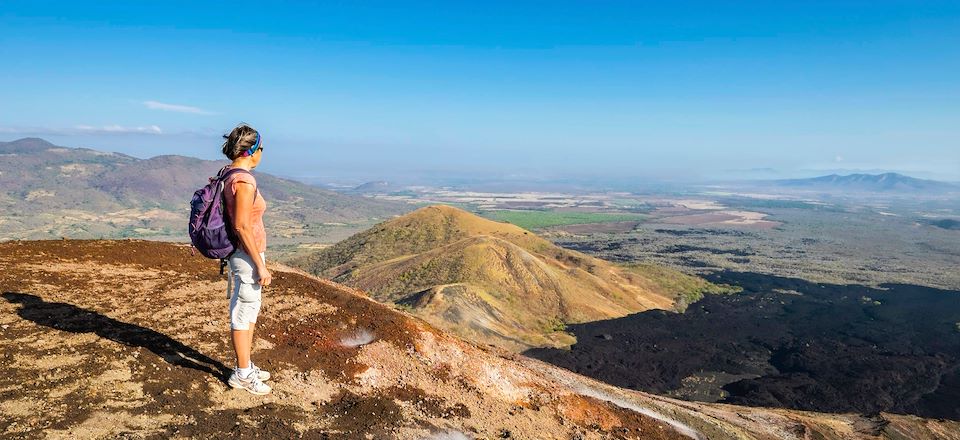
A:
(244, 306)
(251, 382)
(241, 346)
(253, 325)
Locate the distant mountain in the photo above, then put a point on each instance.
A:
(493, 282)
(373, 188)
(49, 191)
(886, 182)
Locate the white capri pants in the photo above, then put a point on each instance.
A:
(244, 290)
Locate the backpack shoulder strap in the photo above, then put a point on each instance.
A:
(222, 177)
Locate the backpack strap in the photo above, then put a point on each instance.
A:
(221, 178)
(225, 173)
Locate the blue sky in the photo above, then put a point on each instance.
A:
(363, 90)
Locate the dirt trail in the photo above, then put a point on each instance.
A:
(127, 339)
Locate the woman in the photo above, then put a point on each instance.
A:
(245, 208)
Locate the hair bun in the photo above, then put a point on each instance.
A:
(239, 140)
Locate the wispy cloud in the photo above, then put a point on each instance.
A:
(156, 105)
(84, 129)
(119, 129)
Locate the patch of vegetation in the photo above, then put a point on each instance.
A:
(556, 324)
(402, 306)
(544, 219)
(687, 288)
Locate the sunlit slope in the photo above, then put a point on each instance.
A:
(491, 281)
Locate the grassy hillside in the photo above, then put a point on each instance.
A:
(50, 191)
(688, 289)
(493, 281)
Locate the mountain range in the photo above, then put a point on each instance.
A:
(885, 182)
(51, 191)
(491, 281)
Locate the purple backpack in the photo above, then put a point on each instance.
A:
(209, 228)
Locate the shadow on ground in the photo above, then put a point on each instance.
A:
(70, 318)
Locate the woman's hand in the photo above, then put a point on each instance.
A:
(265, 277)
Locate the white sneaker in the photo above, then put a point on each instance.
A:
(252, 384)
(262, 375)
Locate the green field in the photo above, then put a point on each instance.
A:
(544, 219)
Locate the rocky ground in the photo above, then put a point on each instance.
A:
(128, 339)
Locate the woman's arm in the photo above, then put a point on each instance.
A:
(243, 207)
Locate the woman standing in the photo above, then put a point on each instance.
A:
(248, 268)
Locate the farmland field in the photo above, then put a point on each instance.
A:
(546, 219)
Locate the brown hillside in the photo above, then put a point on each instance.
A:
(127, 339)
(515, 289)
(53, 192)
(418, 231)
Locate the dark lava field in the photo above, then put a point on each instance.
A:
(787, 342)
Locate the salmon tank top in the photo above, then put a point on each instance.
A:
(256, 214)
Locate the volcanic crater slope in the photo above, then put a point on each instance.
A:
(145, 323)
(493, 282)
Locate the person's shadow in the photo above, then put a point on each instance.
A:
(70, 318)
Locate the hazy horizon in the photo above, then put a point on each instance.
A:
(698, 90)
(441, 176)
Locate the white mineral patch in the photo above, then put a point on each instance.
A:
(448, 435)
(357, 338)
(599, 394)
